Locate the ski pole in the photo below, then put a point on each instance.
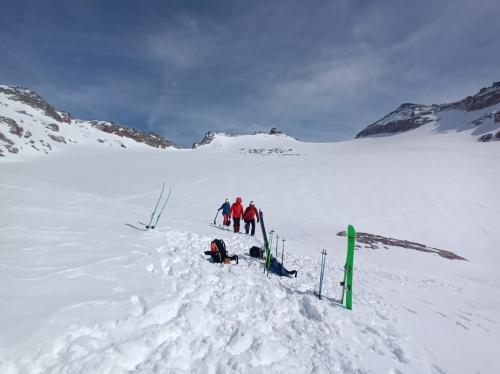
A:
(277, 242)
(269, 253)
(322, 272)
(164, 205)
(156, 206)
(282, 252)
(216, 217)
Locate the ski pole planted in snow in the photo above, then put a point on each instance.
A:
(322, 271)
(216, 217)
(277, 242)
(282, 252)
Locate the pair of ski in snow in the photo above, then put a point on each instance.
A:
(346, 298)
(271, 263)
(155, 216)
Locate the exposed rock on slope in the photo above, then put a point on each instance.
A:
(479, 113)
(210, 136)
(207, 139)
(150, 139)
(28, 123)
(407, 117)
(32, 99)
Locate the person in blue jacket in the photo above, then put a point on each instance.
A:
(226, 208)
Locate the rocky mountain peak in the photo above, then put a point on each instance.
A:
(28, 123)
(275, 131)
(409, 116)
(34, 100)
(207, 139)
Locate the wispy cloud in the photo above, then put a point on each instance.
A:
(321, 70)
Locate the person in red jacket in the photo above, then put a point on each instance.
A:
(249, 217)
(237, 214)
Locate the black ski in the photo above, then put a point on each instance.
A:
(263, 227)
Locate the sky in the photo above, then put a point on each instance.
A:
(319, 70)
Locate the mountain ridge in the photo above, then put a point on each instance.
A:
(29, 122)
(409, 116)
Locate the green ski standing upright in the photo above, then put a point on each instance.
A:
(348, 268)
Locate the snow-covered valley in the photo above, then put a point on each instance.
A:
(83, 292)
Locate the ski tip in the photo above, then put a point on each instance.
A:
(351, 231)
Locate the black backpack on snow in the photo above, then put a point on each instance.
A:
(255, 252)
(218, 246)
(218, 252)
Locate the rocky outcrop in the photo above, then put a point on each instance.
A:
(14, 128)
(151, 139)
(373, 241)
(407, 117)
(56, 138)
(485, 138)
(8, 144)
(275, 131)
(411, 116)
(52, 126)
(485, 98)
(35, 101)
(207, 139)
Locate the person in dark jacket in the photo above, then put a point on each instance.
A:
(226, 208)
(237, 214)
(249, 216)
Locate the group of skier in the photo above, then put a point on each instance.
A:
(237, 213)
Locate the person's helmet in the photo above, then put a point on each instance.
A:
(252, 203)
(227, 199)
(238, 199)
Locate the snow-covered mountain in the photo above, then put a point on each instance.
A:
(30, 125)
(212, 136)
(84, 288)
(478, 115)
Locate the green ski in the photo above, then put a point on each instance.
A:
(348, 268)
(269, 253)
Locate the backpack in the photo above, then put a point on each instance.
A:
(218, 249)
(245, 214)
(255, 252)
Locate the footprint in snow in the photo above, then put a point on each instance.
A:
(308, 309)
(140, 305)
(241, 340)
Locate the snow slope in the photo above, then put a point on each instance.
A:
(479, 115)
(30, 126)
(83, 292)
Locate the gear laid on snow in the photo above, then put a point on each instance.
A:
(218, 252)
(256, 252)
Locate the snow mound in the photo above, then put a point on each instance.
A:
(213, 318)
(254, 144)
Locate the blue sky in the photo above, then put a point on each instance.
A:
(320, 70)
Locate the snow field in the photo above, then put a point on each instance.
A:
(81, 292)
